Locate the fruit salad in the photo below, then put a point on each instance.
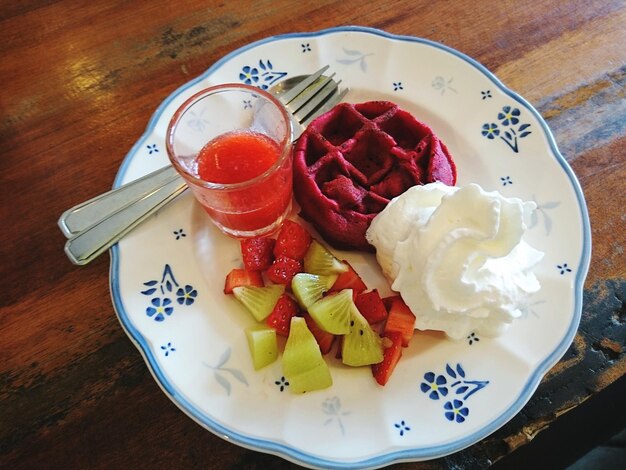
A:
(293, 286)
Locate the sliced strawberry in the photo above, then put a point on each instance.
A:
(257, 253)
(400, 319)
(349, 280)
(242, 277)
(371, 306)
(323, 338)
(280, 318)
(293, 241)
(283, 269)
(391, 355)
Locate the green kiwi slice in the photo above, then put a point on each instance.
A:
(303, 364)
(260, 301)
(362, 346)
(319, 260)
(333, 313)
(309, 288)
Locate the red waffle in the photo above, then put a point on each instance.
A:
(351, 161)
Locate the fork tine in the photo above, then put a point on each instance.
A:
(325, 107)
(318, 98)
(312, 93)
(288, 96)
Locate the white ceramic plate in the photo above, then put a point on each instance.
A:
(167, 276)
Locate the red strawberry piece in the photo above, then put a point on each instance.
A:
(324, 338)
(257, 253)
(280, 318)
(283, 269)
(293, 241)
(400, 319)
(349, 280)
(391, 355)
(242, 277)
(371, 306)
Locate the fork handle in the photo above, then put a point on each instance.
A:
(88, 213)
(94, 240)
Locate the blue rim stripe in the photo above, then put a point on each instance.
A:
(407, 454)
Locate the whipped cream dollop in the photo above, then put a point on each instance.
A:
(457, 257)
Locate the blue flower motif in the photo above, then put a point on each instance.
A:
(168, 349)
(472, 338)
(249, 75)
(402, 426)
(282, 383)
(152, 149)
(490, 130)
(455, 411)
(397, 86)
(563, 268)
(434, 384)
(186, 295)
(159, 307)
(306, 47)
(509, 116)
(486, 94)
(506, 180)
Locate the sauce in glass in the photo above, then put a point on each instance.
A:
(236, 157)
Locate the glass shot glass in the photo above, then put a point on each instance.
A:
(232, 145)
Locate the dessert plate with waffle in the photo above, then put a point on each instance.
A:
(410, 100)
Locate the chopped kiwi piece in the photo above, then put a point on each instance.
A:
(318, 260)
(260, 301)
(362, 346)
(263, 345)
(303, 364)
(309, 288)
(333, 313)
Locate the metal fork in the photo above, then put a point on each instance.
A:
(94, 226)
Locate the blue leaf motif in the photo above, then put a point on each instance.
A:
(150, 283)
(262, 65)
(168, 286)
(149, 291)
(524, 134)
(524, 126)
(351, 51)
(450, 371)
(224, 358)
(462, 389)
(237, 374)
(223, 382)
(460, 370)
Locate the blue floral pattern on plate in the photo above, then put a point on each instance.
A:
(161, 306)
(208, 373)
(262, 75)
(506, 130)
(437, 386)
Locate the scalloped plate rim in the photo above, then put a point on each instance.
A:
(409, 454)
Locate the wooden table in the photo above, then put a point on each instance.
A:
(80, 79)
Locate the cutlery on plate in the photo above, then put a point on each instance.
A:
(92, 227)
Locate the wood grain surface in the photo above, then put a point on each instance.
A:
(79, 82)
